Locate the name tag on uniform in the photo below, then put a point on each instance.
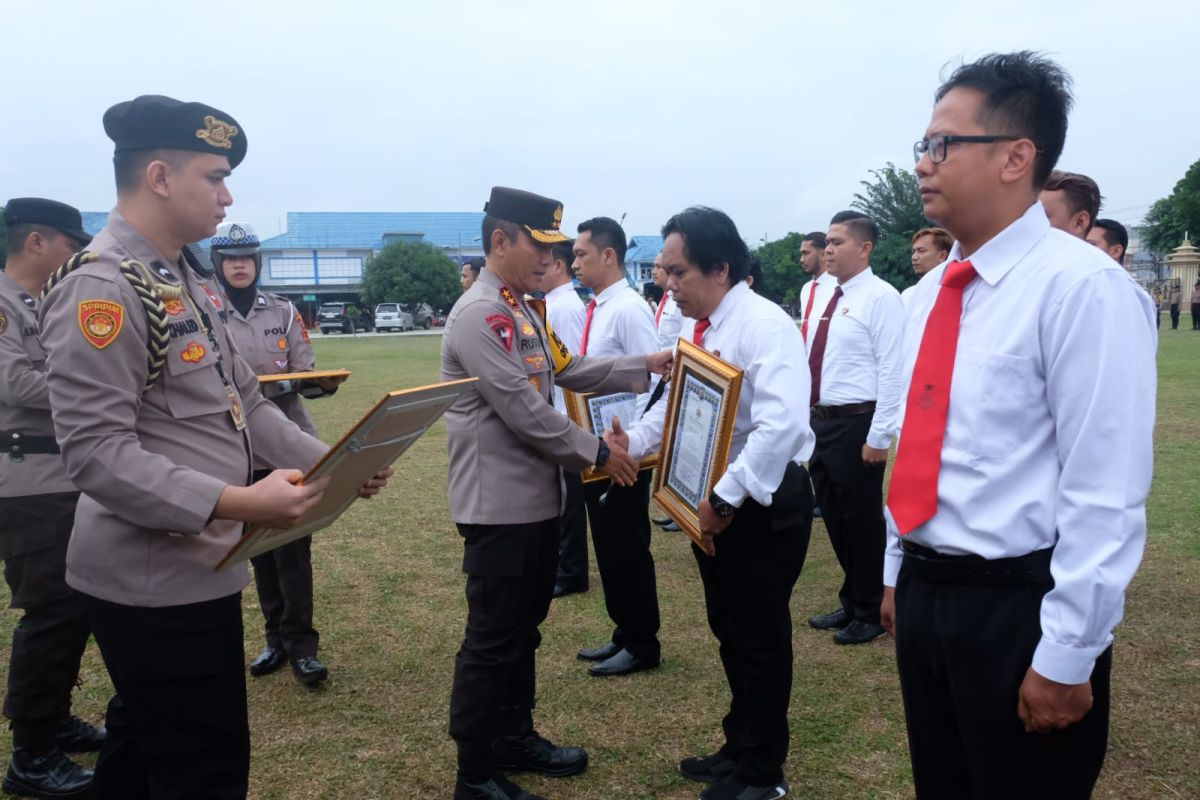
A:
(235, 408)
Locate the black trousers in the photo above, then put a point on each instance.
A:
(284, 580)
(621, 536)
(573, 549)
(1174, 316)
(1196, 316)
(49, 639)
(963, 651)
(747, 588)
(177, 726)
(510, 580)
(850, 495)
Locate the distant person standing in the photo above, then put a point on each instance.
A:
(815, 293)
(1175, 299)
(470, 272)
(1196, 306)
(667, 317)
(565, 315)
(854, 359)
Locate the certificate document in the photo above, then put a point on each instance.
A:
(693, 450)
(602, 409)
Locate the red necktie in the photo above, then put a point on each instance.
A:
(587, 327)
(817, 355)
(661, 305)
(698, 334)
(812, 295)
(913, 494)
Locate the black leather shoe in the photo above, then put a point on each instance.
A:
(533, 753)
(51, 775)
(269, 660)
(623, 663)
(671, 526)
(309, 671)
(498, 788)
(706, 769)
(73, 735)
(833, 621)
(661, 520)
(858, 632)
(564, 589)
(601, 653)
(731, 788)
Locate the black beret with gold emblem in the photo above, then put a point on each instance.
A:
(51, 213)
(541, 216)
(151, 122)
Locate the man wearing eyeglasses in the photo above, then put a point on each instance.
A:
(1017, 505)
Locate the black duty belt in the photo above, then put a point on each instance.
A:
(1032, 568)
(851, 410)
(19, 445)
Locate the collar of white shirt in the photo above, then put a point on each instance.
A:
(611, 292)
(727, 304)
(560, 290)
(860, 279)
(1004, 250)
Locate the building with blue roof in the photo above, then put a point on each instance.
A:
(639, 259)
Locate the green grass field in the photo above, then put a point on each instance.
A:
(390, 609)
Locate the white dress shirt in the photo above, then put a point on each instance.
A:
(823, 285)
(622, 325)
(770, 428)
(669, 321)
(565, 313)
(862, 352)
(1049, 432)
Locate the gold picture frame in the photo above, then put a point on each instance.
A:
(695, 450)
(583, 409)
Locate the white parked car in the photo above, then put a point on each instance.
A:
(389, 316)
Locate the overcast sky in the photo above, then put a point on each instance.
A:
(772, 111)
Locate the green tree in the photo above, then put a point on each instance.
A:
(893, 199)
(782, 274)
(1174, 215)
(411, 272)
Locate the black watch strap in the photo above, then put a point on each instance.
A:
(602, 454)
(722, 508)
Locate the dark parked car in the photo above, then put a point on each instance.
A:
(347, 317)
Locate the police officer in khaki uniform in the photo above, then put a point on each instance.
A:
(156, 415)
(270, 334)
(37, 509)
(507, 449)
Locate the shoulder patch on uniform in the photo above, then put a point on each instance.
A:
(3, 322)
(502, 325)
(101, 321)
(559, 353)
(303, 328)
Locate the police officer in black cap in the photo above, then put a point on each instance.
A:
(37, 509)
(507, 448)
(159, 420)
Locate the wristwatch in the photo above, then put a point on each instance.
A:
(722, 508)
(603, 454)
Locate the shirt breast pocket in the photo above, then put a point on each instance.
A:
(192, 386)
(989, 403)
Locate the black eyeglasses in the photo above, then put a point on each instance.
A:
(936, 146)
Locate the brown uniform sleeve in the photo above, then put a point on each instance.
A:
(300, 351)
(21, 386)
(504, 385)
(95, 393)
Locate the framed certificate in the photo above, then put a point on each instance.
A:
(594, 413)
(694, 452)
(375, 441)
(304, 376)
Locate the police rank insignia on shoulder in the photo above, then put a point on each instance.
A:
(28, 301)
(164, 273)
(503, 328)
(193, 352)
(101, 321)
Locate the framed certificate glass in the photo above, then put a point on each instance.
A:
(594, 413)
(699, 428)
